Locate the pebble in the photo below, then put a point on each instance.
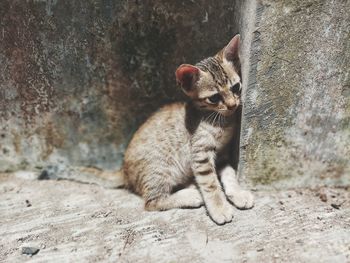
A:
(335, 206)
(28, 203)
(323, 197)
(30, 250)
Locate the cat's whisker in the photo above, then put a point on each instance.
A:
(216, 116)
(212, 115)
(212, 119)
(208, 118)
(221, 121)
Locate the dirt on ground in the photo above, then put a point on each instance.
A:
(64, 221)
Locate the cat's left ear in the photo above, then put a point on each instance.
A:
(231, 51)
(187, 76)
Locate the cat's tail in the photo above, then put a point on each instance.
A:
(87, 175)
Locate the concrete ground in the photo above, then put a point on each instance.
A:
(72, 222)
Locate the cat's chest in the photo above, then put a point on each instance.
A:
(220, 136)
(223, 136)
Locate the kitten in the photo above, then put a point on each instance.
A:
(176, 158)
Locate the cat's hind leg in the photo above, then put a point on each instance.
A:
(185, 198)
(241, 198)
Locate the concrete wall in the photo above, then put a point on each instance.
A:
(78, 77)
(296, 118)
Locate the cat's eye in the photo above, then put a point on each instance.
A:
(236, 89)
(215, 99)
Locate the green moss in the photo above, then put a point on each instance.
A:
(270, 169)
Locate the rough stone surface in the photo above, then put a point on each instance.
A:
(85, 223)
(296, 116)
(78, 77)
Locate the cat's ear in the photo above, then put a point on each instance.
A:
(187, 75)
(231, 51)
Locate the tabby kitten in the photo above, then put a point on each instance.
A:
(176, 158)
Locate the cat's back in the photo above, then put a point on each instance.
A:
(163, 131)
(165, 118)
(161, 143)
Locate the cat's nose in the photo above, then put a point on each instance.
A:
(231, 105)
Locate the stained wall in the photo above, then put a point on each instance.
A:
(78, 77)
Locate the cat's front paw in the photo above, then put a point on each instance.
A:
(242, 199)
(221, 214)
(195, 199)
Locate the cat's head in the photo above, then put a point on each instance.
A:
(214, 84)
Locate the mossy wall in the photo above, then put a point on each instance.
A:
(78, 77)
(296, 118)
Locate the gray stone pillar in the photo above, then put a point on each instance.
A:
(296, 116)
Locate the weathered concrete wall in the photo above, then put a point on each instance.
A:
(296, 118)
(78, 77)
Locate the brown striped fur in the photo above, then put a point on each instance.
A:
(172, 160)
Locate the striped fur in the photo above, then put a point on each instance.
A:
(172, 160)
